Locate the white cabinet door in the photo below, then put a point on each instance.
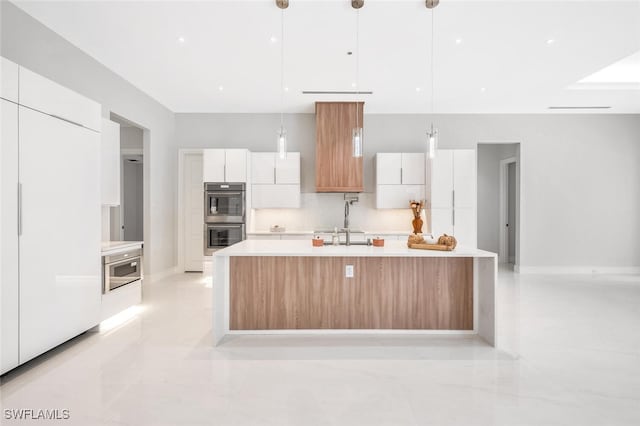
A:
(236, 165)
(9, 290)
(464, 178)
(8, 80)
(465, 227)
(275, 196)
(193, 213)
(288, 169)
(398, 196)
(110, 163)
(263, 167)
(60, 270)
(213, 165)
(388, 168)
(442, 180)
(441, 222)
(44, 95)
(413, 168)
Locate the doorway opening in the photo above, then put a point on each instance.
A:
(127, 219)
(499, 201)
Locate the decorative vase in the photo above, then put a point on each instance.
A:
(417, 225)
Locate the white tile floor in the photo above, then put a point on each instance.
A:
(576, 341)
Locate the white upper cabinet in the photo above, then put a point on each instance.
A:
(288, 169)
(236, 165)
(51, 98)
(453, 195)
(400, 177)
(224, 165)
(8, 80)
(388, 169)
(275, 181)
(413, 168)
(110, 158)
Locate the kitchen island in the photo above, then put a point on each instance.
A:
(291, 287)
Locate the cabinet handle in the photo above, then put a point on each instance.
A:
(401, 176)
(67, 120)
(453, 217)
(224, 172)
(453, 197)
(19, 209)
(274, 175)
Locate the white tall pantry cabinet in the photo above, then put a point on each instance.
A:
(50, 265)
(453, 195)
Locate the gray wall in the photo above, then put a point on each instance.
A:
(131, 138)
(489, 156)
(27, 42)
(132, 195)
(580, 174)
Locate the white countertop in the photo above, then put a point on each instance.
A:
(115, 247)
(304, 248)
(311, 232)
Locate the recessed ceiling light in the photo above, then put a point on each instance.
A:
(458, 41)
(181, 39)
(273, 39)
(418, 89)
(221, 88)
(550, 41)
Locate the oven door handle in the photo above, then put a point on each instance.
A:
(210, 226)
(217, 194)
(132, 260)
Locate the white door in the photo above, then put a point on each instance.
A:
(288, 169)
(442, 180)
(388, 168)
(413, 168)
(60, 270)
(263, 167)
(236, 165)
(9, 290)
(193, 212)
(213, 165)
(464, 178)
(8, 80)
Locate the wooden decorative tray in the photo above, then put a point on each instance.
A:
(439, 247)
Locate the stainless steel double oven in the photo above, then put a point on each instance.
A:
(224, 215)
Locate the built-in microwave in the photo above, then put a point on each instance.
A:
(224, 202)
(221, 235)
(121, 269)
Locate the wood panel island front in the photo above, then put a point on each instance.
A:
(289, 287)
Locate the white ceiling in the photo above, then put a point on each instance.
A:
(503, 49)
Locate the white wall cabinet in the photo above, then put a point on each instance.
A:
(50, 222)
(8, 80)
(110, 157)
(400, 177)
(275, 181)
(225, 165)
(453, 195)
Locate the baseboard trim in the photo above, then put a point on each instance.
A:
(624, 270)
(161, 275)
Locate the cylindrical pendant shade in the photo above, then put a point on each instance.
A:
(282, 144)
(357, 141)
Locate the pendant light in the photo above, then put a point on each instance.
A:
(281, 146)
(357, 133)
(432, 133)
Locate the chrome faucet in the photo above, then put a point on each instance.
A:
(348, 200)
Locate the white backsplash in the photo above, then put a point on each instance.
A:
(326, 211)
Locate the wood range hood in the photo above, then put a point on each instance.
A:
(336, 168)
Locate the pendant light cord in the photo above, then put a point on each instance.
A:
(433, 91)
(282, 70)
(357, 67)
